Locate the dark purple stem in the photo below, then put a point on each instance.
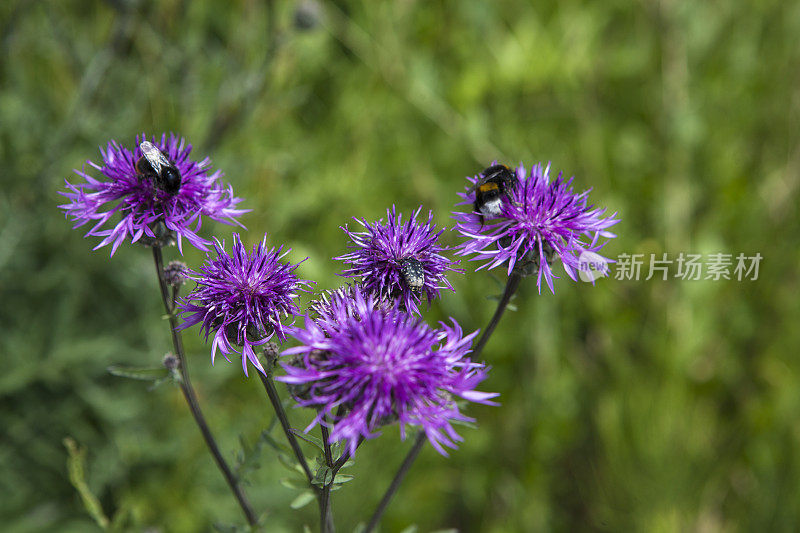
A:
(325, 509)
(191, 397)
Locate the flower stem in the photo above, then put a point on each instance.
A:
(326, 443)
(398, 478)
(326, 514)
(275, 400)
(325, 510)
(191, 397)
(511, 287)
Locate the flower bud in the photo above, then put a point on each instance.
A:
(175, 273)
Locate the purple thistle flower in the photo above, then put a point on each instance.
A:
(540, 219)
(145, 209)
(399, 261)
(323, 304)
(362, 367)
(241, 298)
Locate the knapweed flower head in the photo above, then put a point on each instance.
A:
(541, 219)
(329, 304)
(128, 205)
(241, 298)
(363, 366)
(399, 261)
(322, 304)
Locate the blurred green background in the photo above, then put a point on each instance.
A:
(631, 405)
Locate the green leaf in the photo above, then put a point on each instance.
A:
(322, 476)
(289, 462)
(342, 478)
(290, 483)
(275, 445)
(151, 373)
(303, 499)
(309, 439)
(411, 529)
(77, 476)
(319, 461)
(247, 458)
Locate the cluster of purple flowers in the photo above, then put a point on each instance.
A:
(365, 357)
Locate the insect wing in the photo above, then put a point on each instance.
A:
(476, 185)
(154, 156)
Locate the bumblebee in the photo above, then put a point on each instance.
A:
(494, 182)
(154, 165)
(413, 273)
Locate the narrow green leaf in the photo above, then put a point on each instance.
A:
(152, 373)
(342, 478)
(288, 462)
(303, 499)
(248, 458)
(77, 476)
(322, 476)
(274, 444)
(319, 461)
(309, 439)
(290, 483)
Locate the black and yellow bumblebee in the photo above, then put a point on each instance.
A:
(154, 165)
(494, 183)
